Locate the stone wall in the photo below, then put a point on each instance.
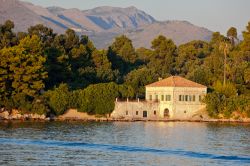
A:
(135, 110)
(187, 111)
(156, 110)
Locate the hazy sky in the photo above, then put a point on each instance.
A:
(216, 15)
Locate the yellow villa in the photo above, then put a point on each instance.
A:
(172, 98)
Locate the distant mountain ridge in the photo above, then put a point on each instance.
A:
(180, 31)
(101, 24)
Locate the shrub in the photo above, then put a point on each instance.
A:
(26, 104)
(228, 89)
(219, 103)
(213, 101)
(39, 106)
(126, 91)
(98, 98)
(58, 99)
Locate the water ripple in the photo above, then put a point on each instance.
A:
(132, 149)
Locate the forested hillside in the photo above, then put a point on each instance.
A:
(45, 72)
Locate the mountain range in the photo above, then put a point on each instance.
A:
(101, 24)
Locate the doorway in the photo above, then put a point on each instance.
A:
(166, 113)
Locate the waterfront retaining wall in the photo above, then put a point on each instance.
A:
(155, 110)
(136, 110)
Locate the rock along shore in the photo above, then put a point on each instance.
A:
(17, 115)
(73, 115)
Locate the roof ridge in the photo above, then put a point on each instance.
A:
(176, 81)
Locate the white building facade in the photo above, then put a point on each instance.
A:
(171, 98)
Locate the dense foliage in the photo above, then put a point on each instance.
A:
(98, 98)
(41, 70)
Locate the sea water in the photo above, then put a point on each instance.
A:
(124, 143)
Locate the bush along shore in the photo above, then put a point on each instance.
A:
(44, 74)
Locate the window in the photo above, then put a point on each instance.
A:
(150, 97)
(136, 112)
(190, 98)
(200, 97)
(126, 112)
(156, 97)
(168, 97)
(154, 112)
(185, 97)
(162, 97)
(182, 98)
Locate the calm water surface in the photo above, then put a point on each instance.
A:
(124, 143)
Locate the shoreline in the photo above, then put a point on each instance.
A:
(241, 121)
(73, 115)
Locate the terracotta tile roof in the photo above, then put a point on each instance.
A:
(175, 81)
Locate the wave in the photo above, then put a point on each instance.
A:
(132, 149)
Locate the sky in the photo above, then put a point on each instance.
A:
(216, 15)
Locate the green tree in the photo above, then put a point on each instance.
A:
(237, 67)
(45, 34)
(22, 76)
(217, 101)
(71, 40)
(6, 74)
(214, 61)
(80, 56)
(228, 90)
(98, 98)
(126, 91)
(190, 56)
(247, 75)
(103, 67)
(57, 66)
(213, 104)
(82, 67)
(59, 99)
(162, 60)
(7, 36)
(22, 68)
(216, 39)
(232, 35)
(28, 67)
(122, 54)
(137, 79)
(144, 55)
(123, 47)
(201, 75)
(69, 61)
(21, 35)
(245, 45)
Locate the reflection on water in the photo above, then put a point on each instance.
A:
(124, 143)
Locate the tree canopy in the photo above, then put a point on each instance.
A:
(41, 70)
